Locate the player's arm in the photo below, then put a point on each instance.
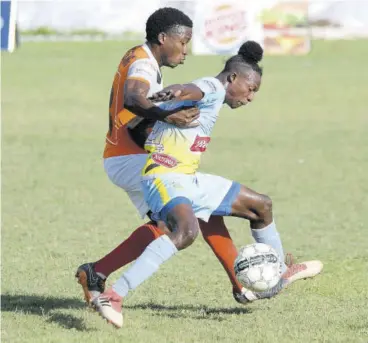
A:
(179, 92)
(140, 76)
(135, 100)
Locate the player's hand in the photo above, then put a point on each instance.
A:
(185, 118)
(165, 95)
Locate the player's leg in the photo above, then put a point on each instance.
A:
(127, 251)
(177, 212)
(218, 194)
(122, 171)
(232, 199)
(185, 228)
(92, 276)
(257, 208)
(243, 202)
(217, 236)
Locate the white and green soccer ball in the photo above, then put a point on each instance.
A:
(258, 267)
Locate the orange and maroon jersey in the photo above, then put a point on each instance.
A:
(138, 63)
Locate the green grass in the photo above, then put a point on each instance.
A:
(304, 141)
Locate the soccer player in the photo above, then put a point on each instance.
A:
(177, 194)
(168, 32)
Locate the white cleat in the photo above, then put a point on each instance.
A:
(108, 305)
(304, 270)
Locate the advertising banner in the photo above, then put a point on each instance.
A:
(221, 26)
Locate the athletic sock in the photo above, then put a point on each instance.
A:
(156, 253)
(270, 236)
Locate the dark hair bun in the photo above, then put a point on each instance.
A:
(251, 51)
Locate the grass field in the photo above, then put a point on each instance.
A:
(304, 141)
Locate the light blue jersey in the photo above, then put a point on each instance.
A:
(175, 150)
(170, 175)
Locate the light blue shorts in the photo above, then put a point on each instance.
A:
(208, 194)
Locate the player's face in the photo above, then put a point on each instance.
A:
(241, 89)
(175, 46)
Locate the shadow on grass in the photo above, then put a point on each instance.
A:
(190, 311)
(46, 306)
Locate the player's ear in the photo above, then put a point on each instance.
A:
(161, 37)
(231, 77)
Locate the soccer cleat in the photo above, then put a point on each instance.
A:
(302, 270)
(108, 305)
(93, 284)
(247, 296)
(295, 272)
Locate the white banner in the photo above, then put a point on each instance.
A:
(110, 16)
(217, 29)
(221, 26)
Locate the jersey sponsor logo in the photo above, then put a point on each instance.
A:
(200, 144)
(164, 160)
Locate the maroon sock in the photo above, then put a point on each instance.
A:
(128, 250)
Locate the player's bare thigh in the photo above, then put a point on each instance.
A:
(253, 206)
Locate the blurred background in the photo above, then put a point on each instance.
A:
(220, 25)
(303, 141)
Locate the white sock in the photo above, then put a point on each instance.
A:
(269, 235)
(156, 253)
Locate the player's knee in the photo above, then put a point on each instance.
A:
(265, 205)
(187, 234)
(184, 224)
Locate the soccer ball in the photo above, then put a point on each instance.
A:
(258, 267)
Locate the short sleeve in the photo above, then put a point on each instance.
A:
(143, 70)
(212, 89)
